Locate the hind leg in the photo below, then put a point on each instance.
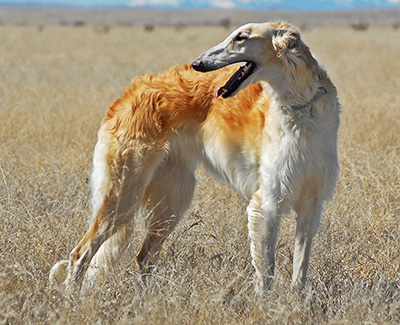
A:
(129, 171)
(115, 215)
(169, 195)
(113, 248)
(108, 255)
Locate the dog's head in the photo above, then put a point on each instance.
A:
(267, 49)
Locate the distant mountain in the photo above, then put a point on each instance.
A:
(40, 16)
(300, 5)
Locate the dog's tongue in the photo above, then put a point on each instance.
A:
(219, 92)
(233, 83)
(228, 87)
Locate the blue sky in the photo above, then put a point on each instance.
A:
(225, 4)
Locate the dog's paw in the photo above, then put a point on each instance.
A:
(58, 273)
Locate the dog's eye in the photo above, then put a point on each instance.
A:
(240, 37)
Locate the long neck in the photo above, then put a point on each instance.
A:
(297, 80)
(320, 109)
(294, 89)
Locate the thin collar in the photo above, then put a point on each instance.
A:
(320, 91)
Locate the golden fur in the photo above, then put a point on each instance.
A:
(153, 138)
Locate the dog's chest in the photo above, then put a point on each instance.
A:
(298, 157)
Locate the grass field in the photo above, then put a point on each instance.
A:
(55, 85)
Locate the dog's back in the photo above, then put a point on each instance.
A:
(270, 132)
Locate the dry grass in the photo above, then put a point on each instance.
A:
(54, 89)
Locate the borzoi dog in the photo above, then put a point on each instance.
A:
(270, 131)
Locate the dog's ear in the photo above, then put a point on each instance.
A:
(285, 39)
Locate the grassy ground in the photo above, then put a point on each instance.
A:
(55, 85)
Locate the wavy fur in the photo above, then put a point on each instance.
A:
(154, 137)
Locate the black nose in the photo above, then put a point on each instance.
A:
(198, 65)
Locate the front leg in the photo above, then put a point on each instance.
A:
(263, 225)
(308, 217)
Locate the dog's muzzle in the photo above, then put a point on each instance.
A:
(198, 65)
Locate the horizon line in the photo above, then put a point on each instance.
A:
(66, 6)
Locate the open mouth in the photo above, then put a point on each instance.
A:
(235, 81)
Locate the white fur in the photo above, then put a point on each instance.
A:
(287, 162)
